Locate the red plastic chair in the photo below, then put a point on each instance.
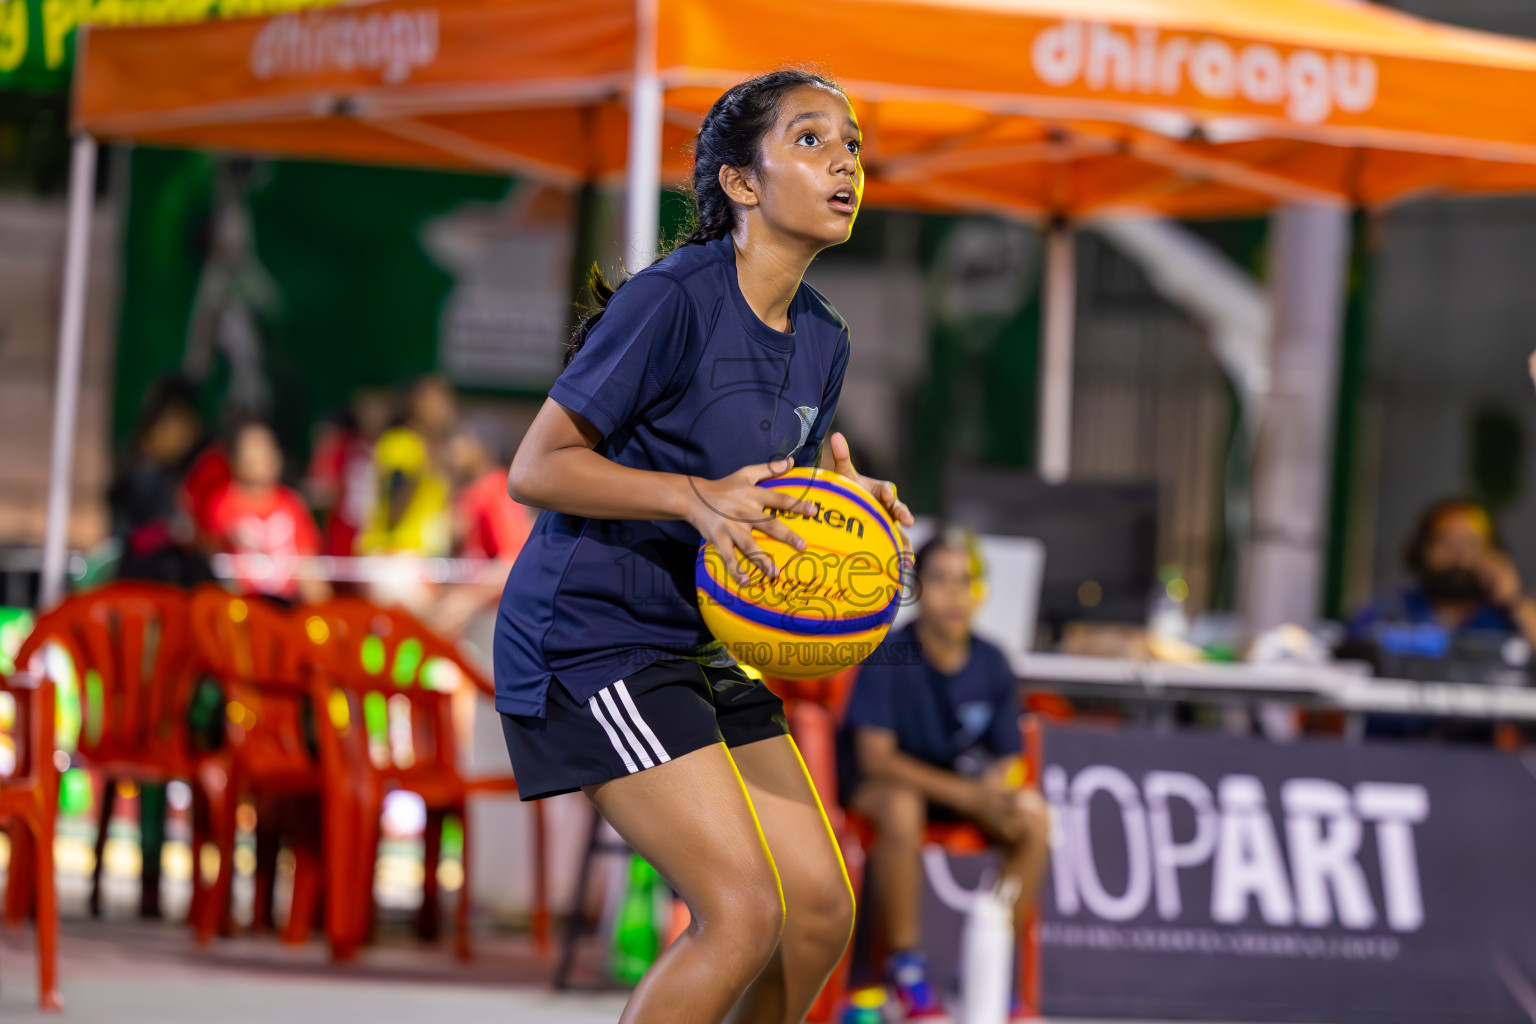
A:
(390, 728)
(255, 650)
(129, 647)
(29, 801)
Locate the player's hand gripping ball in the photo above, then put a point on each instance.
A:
(831, 604)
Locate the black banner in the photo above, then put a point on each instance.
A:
(1210, 877)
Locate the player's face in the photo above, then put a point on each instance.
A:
(810, 181)
(947, 599)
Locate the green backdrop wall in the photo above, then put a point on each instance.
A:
(358, 299)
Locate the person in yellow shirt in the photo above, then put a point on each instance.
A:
(410, 512)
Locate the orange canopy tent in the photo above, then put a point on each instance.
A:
(1186, 107)
(1025, 107)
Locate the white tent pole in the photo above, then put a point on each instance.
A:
(1055, 443)
(1308, 268)
(642, 206)
(66, 388)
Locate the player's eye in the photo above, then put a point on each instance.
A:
(808, 135)
(855, 147)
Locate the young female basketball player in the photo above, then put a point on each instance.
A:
(707, 372)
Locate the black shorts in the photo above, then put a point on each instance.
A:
(665, 710)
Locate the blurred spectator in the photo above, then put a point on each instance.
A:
(409, 513)
(265, 526)
(1466, 618)
(340, 482)
(487, 522)
(1463, 582)
(150, 517)
(205, 480)
(932, 734)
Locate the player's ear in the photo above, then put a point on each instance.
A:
(739, 185)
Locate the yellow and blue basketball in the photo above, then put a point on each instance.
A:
(831, 603)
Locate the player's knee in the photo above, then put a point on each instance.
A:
(758, 925)
(822, 916)
(744, 921)
(1037, 817)
(907, 819)
(903, 815)
(1032, 821)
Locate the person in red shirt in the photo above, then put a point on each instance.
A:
(207, 477)
(339, 483)
(487, 522)
(264, 525)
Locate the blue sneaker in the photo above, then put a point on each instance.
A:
(908, 975)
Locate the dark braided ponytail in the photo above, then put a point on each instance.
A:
(731, 136)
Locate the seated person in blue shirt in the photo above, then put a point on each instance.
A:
(1464, 586)
(932, 732)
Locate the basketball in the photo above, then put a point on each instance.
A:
(831, 603)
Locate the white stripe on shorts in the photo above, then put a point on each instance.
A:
(618, 716)
(613, 737)
(645, 730)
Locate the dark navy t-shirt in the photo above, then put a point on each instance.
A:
(958, 722)
(679, 376)
(1406, 623)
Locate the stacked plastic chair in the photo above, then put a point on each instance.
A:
(128, 647)
(297, 691)
(255, 651)
(29, 801)
(388, 726)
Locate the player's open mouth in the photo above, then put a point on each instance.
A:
(843, 201)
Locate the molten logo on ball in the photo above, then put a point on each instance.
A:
(831, 604)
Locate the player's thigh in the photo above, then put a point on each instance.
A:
(752, 723)
(805, 852)
(899, 813)
(690, 817)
